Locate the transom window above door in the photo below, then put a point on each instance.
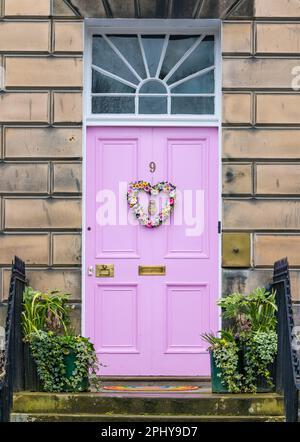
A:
(136, 74)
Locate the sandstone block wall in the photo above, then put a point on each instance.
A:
(261, 144)
(41, 45)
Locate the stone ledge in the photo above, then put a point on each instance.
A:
(233, 9)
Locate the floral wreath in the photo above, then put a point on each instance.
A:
(133, 201)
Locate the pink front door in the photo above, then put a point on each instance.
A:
(151, 325)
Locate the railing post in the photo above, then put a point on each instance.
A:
(18, 351)
(13, 378)
(287, 362)
(279, 356)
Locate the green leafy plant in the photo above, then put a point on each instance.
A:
(48, 311)
(253, 332)
(261, 309)
(64, 362)
(258, 357)
(226, 354)
(50, 352)
(255, 311)
(234, 307)
(260, 341)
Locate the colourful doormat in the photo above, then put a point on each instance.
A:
(150, 388)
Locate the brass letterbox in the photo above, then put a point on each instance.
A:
(152, 270)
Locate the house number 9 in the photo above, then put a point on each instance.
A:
(152, 167)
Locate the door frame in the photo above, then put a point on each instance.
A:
(164, 26)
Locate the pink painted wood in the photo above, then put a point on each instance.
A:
(151, 325)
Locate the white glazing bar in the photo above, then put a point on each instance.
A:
(127, 94)
(115, 77)
(116, 50)
(113, 94)
(146, 80)
(169, 104)
(162, 56)
(190, 77)
(184, 57)
(144, 56)
(148, 116)
(193, 95)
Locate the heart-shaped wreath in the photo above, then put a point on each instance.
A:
(133, 201)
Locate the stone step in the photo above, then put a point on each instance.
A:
(38, 417)
(192, 404)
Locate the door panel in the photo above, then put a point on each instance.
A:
(117, 304)
(185, 309)
(187, 160)
(117, 161)
(151, 325)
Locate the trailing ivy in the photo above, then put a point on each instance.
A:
(49, 352)
(226, 354)
(259, 354)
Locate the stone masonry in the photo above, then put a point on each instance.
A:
(261, 145)
(41, 44)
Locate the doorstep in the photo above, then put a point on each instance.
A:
(133, 407)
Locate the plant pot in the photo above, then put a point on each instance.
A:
(263, 386)
(70, 365)
(32, 381)
(216, 376)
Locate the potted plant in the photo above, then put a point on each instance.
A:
(55, 359)
(260, 340)
(242, 357)
(225, 362)
(65, 363)
(47, 311)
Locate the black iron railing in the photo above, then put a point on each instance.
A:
(287, 364)
(13, 376)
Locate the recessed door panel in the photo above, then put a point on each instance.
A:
(116, 162)
(117, 304)
(185, 310)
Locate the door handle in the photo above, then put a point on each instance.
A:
(90, 271)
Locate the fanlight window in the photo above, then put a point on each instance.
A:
(153, 74)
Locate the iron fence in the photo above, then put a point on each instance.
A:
(287, 361)
(12, 378)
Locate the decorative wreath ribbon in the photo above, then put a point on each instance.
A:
(133, 200)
